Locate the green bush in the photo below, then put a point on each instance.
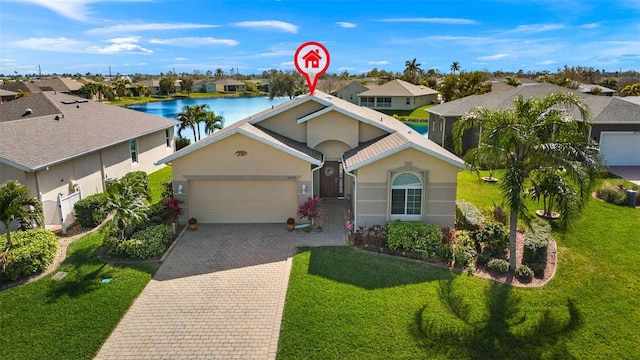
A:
(612, 193)
(483, 258)
(523, 272)
(464, 251)
(500, 266)
(494, 237)
(92, 210)
(414, 236)
(536, 242)
(468, 217)
(144, 244)
(138, 181)
(538, 270)
(32, 252)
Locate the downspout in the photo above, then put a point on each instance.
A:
(355, 194)
(312, 171)
(444, 129)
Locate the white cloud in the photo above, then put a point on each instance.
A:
(149, 27)
(194, 41)
(589, 26)
(60, 44)
(546, 62)
(346, 25)
(119, 48)
(492, 57)
(536, 28)
(125, 40)
(452, 21)
(268, 24)
(72, 9)
(382, 62)
(287, 64)
(181, 59)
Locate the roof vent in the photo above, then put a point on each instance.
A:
(57, 117)
(28, 111)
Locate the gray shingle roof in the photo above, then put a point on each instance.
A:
(605, 109)
(39, 140)
(399, 88)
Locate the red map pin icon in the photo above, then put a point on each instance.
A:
(312, 60)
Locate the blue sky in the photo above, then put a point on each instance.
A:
(154, 36)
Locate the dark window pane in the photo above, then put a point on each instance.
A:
(397, 201)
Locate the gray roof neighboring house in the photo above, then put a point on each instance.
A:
(58, 83)
(228, 82)
(400, 135)
(588, 88)
(4, 92)
(60, 127)
(604, 109)
(399, 88)
(27, 87)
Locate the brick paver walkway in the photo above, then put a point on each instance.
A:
(219, 294)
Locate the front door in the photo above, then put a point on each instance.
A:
(331, 180)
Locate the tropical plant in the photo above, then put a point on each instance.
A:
(16, 203)
(412, 71)
(190, 117)
(556, 192)
(120, 87)
(21, 94)
(129, 208)
(631, 90)
(141, 90)
(535, 133)
(512, 80)
(310, 209)
(174, 210)
(219, 73)
(456, 86)
(455, 67)
(212, 122)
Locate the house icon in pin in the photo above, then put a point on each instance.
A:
(312, 58)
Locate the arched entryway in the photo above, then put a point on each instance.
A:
(331, 176)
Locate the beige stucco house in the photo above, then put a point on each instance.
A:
(59, 144)
(259, 169)
(351, 91)
(398, 95)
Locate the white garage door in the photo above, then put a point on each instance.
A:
(620, 148)
(242, 201)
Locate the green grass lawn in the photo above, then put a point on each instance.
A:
(344, 303)
(72, 317)
(156, 181)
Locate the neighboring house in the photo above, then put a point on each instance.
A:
(56, 143)
(6, 95)
(200, 85)
(153, 86)
(351, 91)
(263, 84)
(259, 169)
(26, 87)
(615, 123)
(596, 90)
(59, 84)
(398, 95)
(227, 86)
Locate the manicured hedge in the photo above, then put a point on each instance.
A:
(535, 243)
(32, 252)
(414, 236)
(464, 251)
(145, 244)
(494, 237)
(468, 217)
(92, 210)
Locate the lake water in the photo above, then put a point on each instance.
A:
(231, 109)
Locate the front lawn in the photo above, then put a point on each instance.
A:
(72, 317)
(345, 303)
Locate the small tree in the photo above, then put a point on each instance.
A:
(174, 209)
(16, 203)
(128, 206)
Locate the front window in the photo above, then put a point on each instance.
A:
(133, 147)
(384, 102)
(167, 137)
(406, 195)
(368, 101)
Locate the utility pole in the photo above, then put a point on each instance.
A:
(109, 72)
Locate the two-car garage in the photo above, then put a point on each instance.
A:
(620, 148)
(242, 201)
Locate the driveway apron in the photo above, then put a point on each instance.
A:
(218, 295)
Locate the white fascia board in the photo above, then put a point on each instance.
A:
(196, 146)
(346, 113)
(458, 164)
(285, 149)
(292, 103)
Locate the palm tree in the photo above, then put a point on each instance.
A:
(455, 67)
(128, 206)
(121, 87)
(412, 69)
(631, 90)
(219, 73)
(16, 203)
(537, 133)
(191, 117)
(141, 90)
(213, 122)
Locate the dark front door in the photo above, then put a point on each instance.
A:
(331, 180)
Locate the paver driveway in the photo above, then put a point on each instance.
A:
(218, 295)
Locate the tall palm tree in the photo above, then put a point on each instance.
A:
(536, 133)
(190, 117)
(219, 73)
(455, 67)
(15, 203)
(213, 122)
(141, 90)
(121, 87)
(412, 69)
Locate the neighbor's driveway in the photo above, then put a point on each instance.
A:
(631, 173)
(219, 295)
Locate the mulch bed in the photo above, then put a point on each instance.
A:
(376, 244)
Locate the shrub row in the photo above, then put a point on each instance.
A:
(92, 210)
(32, 252)
(145, 244)
(615, 193)
(536, 242)
(468, 217)
(414, 236)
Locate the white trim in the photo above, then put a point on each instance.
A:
(287, 106)
(459, 164)
(346, 113)
(285, 149)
